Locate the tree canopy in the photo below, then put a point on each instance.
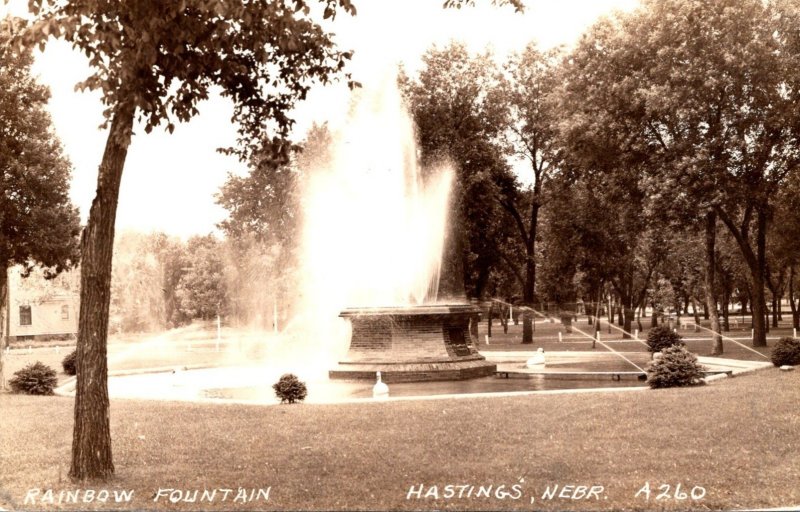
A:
(459, 116)
(155, 61)
(39, 225)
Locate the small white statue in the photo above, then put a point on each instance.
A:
(380, 389)
(536, 360)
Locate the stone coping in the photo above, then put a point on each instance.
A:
(425, 309)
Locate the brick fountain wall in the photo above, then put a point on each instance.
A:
(416, 343)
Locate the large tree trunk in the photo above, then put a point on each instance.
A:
(726, 301)
(529, 294)
(792, 303)
(759, 308)
(775, 308)
(653, 316)
(91, 442)
(5, 312)
(639, 312)
(489, 319)
(627, 325)
(711, 272)
(756, 263)
(760, 325)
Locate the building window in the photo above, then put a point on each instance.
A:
(25, 315)
(65, 312)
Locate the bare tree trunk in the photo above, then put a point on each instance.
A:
(726, 300)
(759, 307)
(711, 272)
(792, 303)
(91, 442)
(775, 307)
(529, 293)
(695, 311)
(5, 313)
(653, 316)
(639, 317)
(597, 313)
(489, 319)
(504, 318)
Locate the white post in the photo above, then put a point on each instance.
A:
(30, 350)
(794, 332)
(219, 327)
(636, 334)
(598, 336)
(559, 336)
(486, 337)
(752, 334)
(510, 313)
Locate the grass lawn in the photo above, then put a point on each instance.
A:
(545, 335)
(738, 439)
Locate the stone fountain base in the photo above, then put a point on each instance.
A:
(409, 344)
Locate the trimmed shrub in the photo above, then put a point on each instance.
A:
(675, 368)
(661, 337)
(35, 379)
(786, 351)
(290, 389)
(69, 363)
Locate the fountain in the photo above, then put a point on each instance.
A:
(373, 238)
(375, 225)
(413, 343)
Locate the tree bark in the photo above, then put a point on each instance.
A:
(653, 316)
(529, 294)
(695, 311)
(5, 313)
(711, 272)
(792, 303)
(756, 263)
(91, 442)
(489, 319)
(726, 300)
(775, 308)
(639, 311)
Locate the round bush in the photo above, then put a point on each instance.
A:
(290, 389)
(675, 368)
(69, 363)
(661, 337)
(786, 351)
(35, 379)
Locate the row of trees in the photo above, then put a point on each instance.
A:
(154, 62)
(661, 149)
(160, 282)
(680, 117)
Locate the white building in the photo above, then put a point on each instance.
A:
(41, 309)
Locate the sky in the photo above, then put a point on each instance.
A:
(170, 181)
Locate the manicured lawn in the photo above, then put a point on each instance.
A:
(545, 335)
(739, 439)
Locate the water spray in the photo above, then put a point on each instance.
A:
(730, 339)
(593, 338)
